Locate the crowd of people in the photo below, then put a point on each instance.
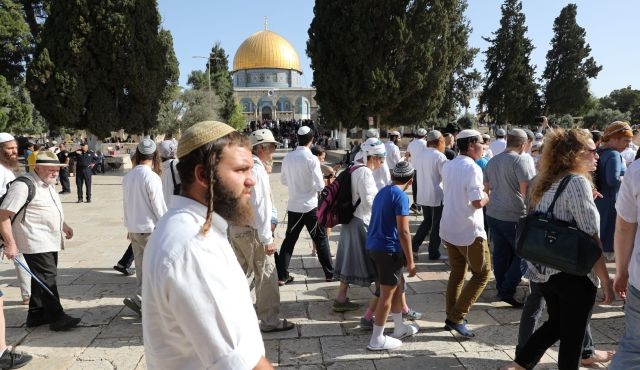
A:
(200, 218)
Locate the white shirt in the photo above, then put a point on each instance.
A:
(382, 176)
(260, 201)
(428, 165)
(628, 207)
(143, 199)
(629, 154)
(167, 180)
(461, 222)
(363, 187)
(302, 175)
(197, 306)
(497, 146)
(39, 228)
(415, 147)
(393, 154)
(6, 176)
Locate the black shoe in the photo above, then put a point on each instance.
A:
(123, 270)
(79, 200)
(512, 301)
(12, 360)
(65, 322)
(88, 200)
(35, 321)
(64, 192)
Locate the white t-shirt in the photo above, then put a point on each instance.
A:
(428, 165)
(363, 187)
(167, 180)
(628, 207)
(260, 201)
(497, 146)
(198, 312)
(6, 176)
(143, 199)
(415, 147)
(301, 173)
(461, 222)
(393, 154)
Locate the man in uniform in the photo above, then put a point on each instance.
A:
(63, 157)
(85, 161)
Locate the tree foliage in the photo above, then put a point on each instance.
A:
(102, 66)
(461, 84)
(15, 42)
(510, 92)
(568, 65)
(600, 118)
(387, 59)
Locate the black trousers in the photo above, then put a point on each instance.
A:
(319, 236)
(127, 257)
(430, 225)
(570, 300)
(41, 303)
(64, 179)
(83, 176)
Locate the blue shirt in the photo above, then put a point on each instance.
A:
(383, 229)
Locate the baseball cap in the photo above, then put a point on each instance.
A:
(262, 136)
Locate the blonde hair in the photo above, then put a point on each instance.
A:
(562, 149)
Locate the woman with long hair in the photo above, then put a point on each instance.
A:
(570, 298)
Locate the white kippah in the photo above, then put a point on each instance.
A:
(4, 137)
(304, 130)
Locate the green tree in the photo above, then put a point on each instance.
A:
(510, 92)
(624, 100)
(568, 65)
(373, 58)
(102, 66)
(15, 42)
(600, 118)
(219, 78)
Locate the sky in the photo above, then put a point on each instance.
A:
(196, 25)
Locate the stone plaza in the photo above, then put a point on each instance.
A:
(110, 335)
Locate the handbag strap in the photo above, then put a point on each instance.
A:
(561, 187)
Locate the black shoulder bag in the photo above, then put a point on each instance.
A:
(540, 238)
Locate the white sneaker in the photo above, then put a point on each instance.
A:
(387, 343)
(405, 331)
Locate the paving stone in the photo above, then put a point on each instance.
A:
(353, 347)
(300, 351)
(484, 360)
(422, 362)
(272, 350)
(46, 343)
(352, 365)
(319, 328)
(124, 353)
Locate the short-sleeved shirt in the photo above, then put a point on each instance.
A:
(429, 166)
(63, 156)
(382, 235)
(39, 228)
(198, 312)
(461, 222)
(6, 176)
(628, 207)
(504, 173)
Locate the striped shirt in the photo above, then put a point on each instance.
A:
(574, 204)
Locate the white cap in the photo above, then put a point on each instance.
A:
(303, 130)
(421, 132)
(467, 133)
(394, 133)
(4, 137)
(372, 132)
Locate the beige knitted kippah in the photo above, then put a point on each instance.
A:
(200, 134)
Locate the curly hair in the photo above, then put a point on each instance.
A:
(562, 149)
(208, 155)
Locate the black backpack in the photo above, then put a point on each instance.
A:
(30, 196)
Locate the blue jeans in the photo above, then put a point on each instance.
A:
(506, 264)
(628, 355)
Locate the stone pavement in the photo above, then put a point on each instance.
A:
(110, 335)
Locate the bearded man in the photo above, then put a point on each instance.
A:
(198, 309)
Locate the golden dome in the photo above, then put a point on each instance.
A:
(266, 49)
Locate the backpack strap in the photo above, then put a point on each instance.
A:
(30, 195)
(173, 174)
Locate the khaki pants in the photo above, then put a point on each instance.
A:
(477, 258)
(138, 243)
(253, 260)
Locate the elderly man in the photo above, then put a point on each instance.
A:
(253, 242)
(198, 312)
(143, 202)
(38, 234)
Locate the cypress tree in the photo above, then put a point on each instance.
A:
(510, 94)
(568, 65)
